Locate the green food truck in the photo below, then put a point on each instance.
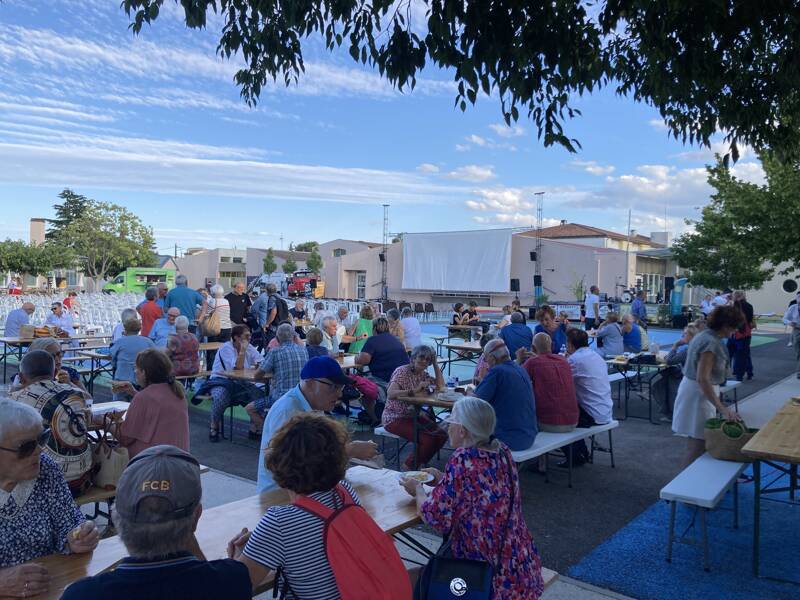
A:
(138, 279)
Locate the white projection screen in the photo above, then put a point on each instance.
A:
(463, 261)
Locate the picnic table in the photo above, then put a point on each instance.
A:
(777, 444)
(386, 501)
(418, 402)
(465, 351)
(14, 345)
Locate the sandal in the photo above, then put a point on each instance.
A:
(213, 435)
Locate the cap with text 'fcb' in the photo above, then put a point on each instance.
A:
(159, 472)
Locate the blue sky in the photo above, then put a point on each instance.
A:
(155, 123)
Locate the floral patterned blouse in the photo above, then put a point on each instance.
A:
(471, 505)
(36, 516)
(407, 380)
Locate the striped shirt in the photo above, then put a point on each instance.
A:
(291, 538)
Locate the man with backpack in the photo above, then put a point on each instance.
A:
(270, 311)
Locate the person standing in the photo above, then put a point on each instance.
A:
(639, 310)
(411, 328)
(149, 311)
(739, 342)
(240, 304)
(592, 305)
(219, 305)
(162, 294)
(186, 301)
(792, 319)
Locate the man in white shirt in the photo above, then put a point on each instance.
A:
(17, 318)
(792, 319)
(707, 305)
(592, 304)
(592, 389)
(412, 330)
(61, 319)
(721, 299)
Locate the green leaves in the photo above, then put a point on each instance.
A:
(314, 261)
(270, 266)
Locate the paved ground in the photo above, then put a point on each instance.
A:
(566, 523)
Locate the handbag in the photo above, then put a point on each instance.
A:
(725, 439)
(109, 457)
(211, 326)
(446, 577)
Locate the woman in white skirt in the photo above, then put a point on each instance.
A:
(704, 371)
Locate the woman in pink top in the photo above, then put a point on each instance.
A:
(158, 414)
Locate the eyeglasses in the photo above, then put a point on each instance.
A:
(337, 386)
(25, 449)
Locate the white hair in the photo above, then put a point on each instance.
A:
(181, 280)
(16, 416)
(477, 417)
(128, 313)
(327, 320)
(497, 349)
(217, 291)
(182, 323)
(284, 332)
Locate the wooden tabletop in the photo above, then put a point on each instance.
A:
(106, 407)
(780, 438)
(465, 327)
(107, 356)
(19, 340)
(244, 375)
(426, 400)
(381, 495)
(467, 346)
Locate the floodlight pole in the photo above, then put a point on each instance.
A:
(538, 286)
(385, 252)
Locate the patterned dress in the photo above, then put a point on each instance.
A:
(36, 516)
(470, 505)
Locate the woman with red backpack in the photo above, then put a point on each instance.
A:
(308, 542)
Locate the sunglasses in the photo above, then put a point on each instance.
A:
(26, 449)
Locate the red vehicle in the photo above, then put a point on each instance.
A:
(302, 283)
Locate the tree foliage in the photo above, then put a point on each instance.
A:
(71, 208)
(314, 262)
(747, 230)
(30, 259)
(289, 265)
(306, 246)
(706, 66)
(269, 264)
(107, 238)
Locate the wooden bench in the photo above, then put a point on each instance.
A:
(198, 375)
(549, 577)
(702, 484)
(546, 442)
(622, 378)
(400, 442)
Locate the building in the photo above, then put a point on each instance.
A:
(333, 254)
(255, 260)
(211, 266)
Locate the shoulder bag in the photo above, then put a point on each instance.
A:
(211, 324)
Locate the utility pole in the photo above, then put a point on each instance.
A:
(176, 252)
(538, 288)
(281, 238)
(385, 254)
(628, 255)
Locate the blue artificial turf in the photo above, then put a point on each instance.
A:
(633, 561)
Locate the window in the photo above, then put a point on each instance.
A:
(224, 274)
(238, 259)
(361, 285)
(652, 284)
(224, 259)
(790, 285)
(337, 252)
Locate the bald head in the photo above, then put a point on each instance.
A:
(28, 307)
(542, 343)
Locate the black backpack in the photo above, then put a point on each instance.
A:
(282, 313)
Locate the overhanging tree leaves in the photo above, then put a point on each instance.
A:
(27, 259)
(706, 66)
(71, 207)
(746, 231)
(306, 246)
(108, 238)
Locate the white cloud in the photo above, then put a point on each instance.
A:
(658, 124)
(463, 147)
(427, 168)
(707, 155)
(505, 131)
(592, 167)
(477, 140)
(752, 172)
(473, 173)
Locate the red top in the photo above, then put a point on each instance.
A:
(156, 416)
(553, 389)
(184, 351)
(149, 311)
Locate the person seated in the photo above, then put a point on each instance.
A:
(320, 313)
(149, 310)
(123, 355)
(119, 329)
(609, 337)
(346, 322)
(274, 342)
(472, 316)
(553, 388)
(555, 330)
(477, 505)
(283, 364)
(17, 318)
(38, 516)
(509, 390)
(60, 319)
(382, 352)
(314, 345)
(506, 318)
(516, 334)
(631, 334)
(680, 349)
(183, 349)
(361, 331)
(332, 337)
(395, 328)
(482, 367)
(156, 523)
(458, 317)
(563, 317)
(412, 329)
(664, 385)
(308, 457)
(320, 387)
(158, 413)
(398, 416)
(592, 389)
(164, 327)
(235, 355)
(64, 373)
(70, 448)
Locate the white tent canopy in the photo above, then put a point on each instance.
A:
(464, 261)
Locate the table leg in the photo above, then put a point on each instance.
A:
(5, 360)
(756, 513)
(449, 360)
(792, 481)
(417, 410)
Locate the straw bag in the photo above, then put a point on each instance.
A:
(110, 458)
(211, 324)
(725, 439)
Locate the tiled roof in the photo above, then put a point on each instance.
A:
(576, 230)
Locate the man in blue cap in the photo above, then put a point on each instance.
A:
(321, 384)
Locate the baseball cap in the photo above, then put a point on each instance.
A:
(159, 472)
(324, 367)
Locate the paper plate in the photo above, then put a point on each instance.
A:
(420, 476)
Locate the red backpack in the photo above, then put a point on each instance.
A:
(363, 558)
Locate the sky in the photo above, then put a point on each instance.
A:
(155, 123)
